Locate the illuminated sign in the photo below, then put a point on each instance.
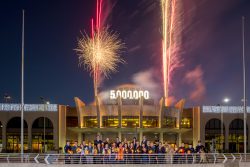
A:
(223, 109)
(129, 94)
(29, 107)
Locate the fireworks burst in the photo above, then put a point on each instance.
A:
(170, 40)
(101, 52)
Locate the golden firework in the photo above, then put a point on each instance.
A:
(101, 53)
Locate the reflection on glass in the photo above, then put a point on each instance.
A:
(214, 140)
(14, 142)
(150, 122)
(110, 121)
(236, 136)
(186, 122)
(90, 121)
(38, 141)
(130, 121)
(169, 122)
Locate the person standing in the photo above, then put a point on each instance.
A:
(117, 141)
(89, 151)
(144, 141)
(120, 154)
(134, 143)
(126, 153)
(137, 153)
(190, 152)
(82, 152)
(97, 140)
(98, 154)
(76, 153)
(161, 151)
(68, 152)
(131, 153)
(113, 153)
(106, 154)
(181, 152)
(107, 141)
(152, 153)
(144, 154)
(199, 149)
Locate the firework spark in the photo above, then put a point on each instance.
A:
(102, 50)
(170, 40)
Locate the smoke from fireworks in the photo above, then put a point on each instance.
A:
(100, 52)
(170, 41)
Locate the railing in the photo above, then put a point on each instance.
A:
(207, 158)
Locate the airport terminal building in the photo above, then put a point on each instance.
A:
(48, 126)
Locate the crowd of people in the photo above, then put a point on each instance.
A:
(131, 152)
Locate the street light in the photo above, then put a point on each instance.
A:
(7, 98)
(244, 86)
(226, 100)
(44, 124)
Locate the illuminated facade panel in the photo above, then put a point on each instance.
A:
(110, 121)
(130, 121)
(90, 121)
(29, 107)
(169, 122)
(223, 109)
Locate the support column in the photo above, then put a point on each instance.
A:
(179, 139)
(120, 135)
(30, 137)
(79, 139)
(141, 111)
(4, 136)
(98, 112)
(161, 137)
(226, 139)
(140, 136)
(119, 112)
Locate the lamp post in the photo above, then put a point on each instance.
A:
(7, 98)
(44, 123)
(225, 101)
(244, 85)
(22, 87)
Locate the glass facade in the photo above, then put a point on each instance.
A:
(110, 121)
(41, 143)
(236, 136)
(150, 122)
(90, 121)
(130, 121)
(214, 140)
(14, 142)
(186, 123)
(169, 122)
(13, 135)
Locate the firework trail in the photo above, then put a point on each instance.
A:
(170, 40)
(100, 52)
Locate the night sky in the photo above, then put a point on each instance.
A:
(211, 49)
